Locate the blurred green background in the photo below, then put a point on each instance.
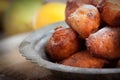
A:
(18, 18)
(21, 16)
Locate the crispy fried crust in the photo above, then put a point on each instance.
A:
(109, 9)
(84, 20)
(111, 12)
(72, 5)
(84, 60)
(62, 44)
(105, 43)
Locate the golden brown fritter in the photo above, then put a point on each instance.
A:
(105, 43)
(110, 12)
(62, 44)
(84, 60)
(72, 5)
(84, 20)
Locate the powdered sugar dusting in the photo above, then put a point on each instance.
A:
(84, 9)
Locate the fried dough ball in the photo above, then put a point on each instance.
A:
(105, 43)
(111, 12)
(109, 9)
(84, 60)
(84, 20)
(62, 44)
(72, 5)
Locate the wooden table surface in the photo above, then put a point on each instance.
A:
(14, 65)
